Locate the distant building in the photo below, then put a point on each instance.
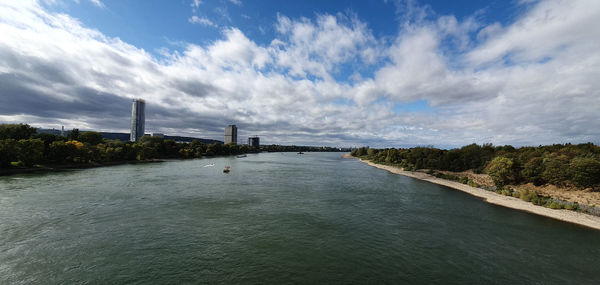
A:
(158, 135)
(231, 134)
(254, 141)
(137, 119)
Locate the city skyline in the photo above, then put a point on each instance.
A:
(336, 73)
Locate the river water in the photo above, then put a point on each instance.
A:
(275, 218)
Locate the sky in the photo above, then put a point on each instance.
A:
(388, 73)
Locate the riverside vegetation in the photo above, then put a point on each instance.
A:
(567, 167)
(22, 147)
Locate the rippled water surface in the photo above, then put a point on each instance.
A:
(276, 218)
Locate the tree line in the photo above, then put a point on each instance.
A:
(22, 146)
(559, 164)
(294, 148)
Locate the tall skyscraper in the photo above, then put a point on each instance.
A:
(254, 141)
(231, 134)
(137, 119)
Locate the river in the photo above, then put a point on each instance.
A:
(275, 218)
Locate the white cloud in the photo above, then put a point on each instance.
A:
(195, 3)
(316, 48)
(533, 81)
(97, 3)
(236, 2)
(548, 29)
(202, 21)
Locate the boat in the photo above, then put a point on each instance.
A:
(241, 156)
(300, 153)
(226, 170)
(209, 165)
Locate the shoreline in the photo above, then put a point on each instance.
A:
(71, 166)
(573, 217)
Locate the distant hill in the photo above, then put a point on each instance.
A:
(190, 139)
(51, 131)
(125, 136)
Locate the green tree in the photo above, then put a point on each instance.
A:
(58, 152)
(30, 151)
(533, 169)
(73, 135)
(556, 170)
(92, 138)
(8, 152)
(48, 139)
(16, 131)
(361, 151)
(586, 171)
(500, 169)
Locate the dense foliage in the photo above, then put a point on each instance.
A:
(21, 146)
(559, 164)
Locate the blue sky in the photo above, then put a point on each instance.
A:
(156, 25)
(351, 73)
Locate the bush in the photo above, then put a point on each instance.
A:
(528, 196)
(464, 180)
(555, 205)
(501, 170)
(472, 183)
(448, 177)
(572, 206)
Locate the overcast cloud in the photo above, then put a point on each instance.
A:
(532, 82)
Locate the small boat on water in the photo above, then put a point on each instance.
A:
(241, 156)
(226, 170)
(209, 165)
(300, 153)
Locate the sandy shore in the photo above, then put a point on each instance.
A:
(506, 201)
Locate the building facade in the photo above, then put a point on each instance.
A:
(231, 134)
(254, 141)
(138, 119)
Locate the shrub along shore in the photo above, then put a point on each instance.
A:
(570, 170)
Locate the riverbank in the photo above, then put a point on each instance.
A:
(70, 166)
(497, 199)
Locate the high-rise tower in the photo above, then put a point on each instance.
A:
(137, 119)
(231, 134)
(254, 141)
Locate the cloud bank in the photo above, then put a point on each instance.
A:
(325, 80)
